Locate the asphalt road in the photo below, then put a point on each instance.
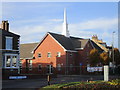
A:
(34, 84)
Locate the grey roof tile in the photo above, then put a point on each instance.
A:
(26, 50)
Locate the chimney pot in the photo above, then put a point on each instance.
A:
(5, 25)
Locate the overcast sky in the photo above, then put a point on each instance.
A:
(33, 20)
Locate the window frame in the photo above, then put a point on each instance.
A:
(40, 55)
(30, 65)
(6, 47)
(58, 54)
(48, 55)
(11, 55)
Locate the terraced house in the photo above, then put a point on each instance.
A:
(9, 50)
(62, 52)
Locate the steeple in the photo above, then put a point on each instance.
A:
(65, 31)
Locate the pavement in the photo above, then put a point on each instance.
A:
(34, 84)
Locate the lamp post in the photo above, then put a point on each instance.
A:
(113, 50)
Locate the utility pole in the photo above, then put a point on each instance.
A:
(113, 51)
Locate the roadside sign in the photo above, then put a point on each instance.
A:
(17, 77)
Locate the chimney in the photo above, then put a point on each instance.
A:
(5, 25)
(95, 37)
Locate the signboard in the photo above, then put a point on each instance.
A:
(17, 77)
(93, 69)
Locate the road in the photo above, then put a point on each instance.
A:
(33, 84)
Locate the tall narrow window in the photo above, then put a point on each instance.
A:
(39, 67)
(30, 64)
(9, 43)
(58, 54)
(49, 54)
(8, 61)
(49, 69)
(20, 64)
(14, 61)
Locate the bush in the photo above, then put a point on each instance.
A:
(94, 85)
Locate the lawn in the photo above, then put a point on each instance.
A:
(94, 85)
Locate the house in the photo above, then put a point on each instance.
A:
(9, 50)
(62, 52)
(100, 43)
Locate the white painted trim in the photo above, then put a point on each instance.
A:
(10, 62)
(19, 56)
(58, 42)
(79, 48)
(71, 51)
(8, 50)
(9, 37)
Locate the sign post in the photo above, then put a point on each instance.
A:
(48, 79)
(106, 73)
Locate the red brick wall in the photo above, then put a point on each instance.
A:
(83, 54)
(49, 45)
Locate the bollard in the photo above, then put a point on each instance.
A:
(48, 79)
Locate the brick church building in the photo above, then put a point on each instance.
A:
(61, 52)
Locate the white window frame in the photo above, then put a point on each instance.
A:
(6, 43)
(50, 55)
(11, 55)
(40, 55)
(30, 65)
(50, 67)
(58, 54)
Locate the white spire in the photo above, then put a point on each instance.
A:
(65, 31)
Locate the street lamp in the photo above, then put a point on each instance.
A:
(113, 50)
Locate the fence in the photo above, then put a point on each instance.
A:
(74, 70)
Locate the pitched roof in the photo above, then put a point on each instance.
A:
(97, 47)
(69, 43)
(26, 50)
(8, 32)
(79, 42)
(64, 41)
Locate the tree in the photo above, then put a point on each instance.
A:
(94, 57)
(104, 58)
(116, 56)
